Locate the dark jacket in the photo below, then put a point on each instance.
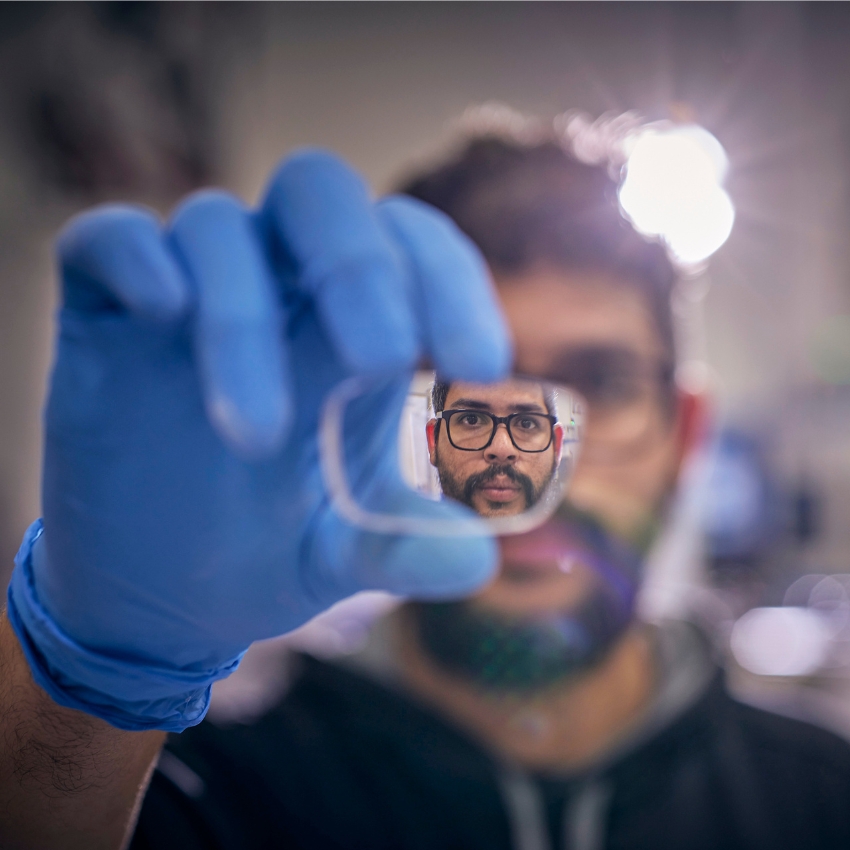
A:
(348, 761)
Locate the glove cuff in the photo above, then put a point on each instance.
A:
(128, 693)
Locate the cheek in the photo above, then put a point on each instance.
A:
(540, 468)
(624, 495)
(458, 464)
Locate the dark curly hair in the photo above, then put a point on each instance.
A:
(529, 201)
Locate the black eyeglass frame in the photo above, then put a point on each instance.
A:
(446, 415)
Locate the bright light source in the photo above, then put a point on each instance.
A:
(780, 641)
(673, 189)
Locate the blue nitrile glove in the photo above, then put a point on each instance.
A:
(184, 511)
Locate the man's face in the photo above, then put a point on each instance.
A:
(510, 470)
(562, 321)
(565, 591)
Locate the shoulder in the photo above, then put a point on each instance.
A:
(737, 729)
(793, 741)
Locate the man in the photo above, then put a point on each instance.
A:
(538, 713)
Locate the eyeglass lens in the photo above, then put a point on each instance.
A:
(625, 397)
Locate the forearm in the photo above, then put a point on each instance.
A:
(67, 780)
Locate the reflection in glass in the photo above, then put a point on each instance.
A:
(496, 447)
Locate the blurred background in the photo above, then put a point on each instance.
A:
(142, 101)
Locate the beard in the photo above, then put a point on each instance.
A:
(464, 491)
(524, 654)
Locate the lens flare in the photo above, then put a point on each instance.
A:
(786, 641)
(673, 189)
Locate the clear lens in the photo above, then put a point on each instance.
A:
(496, 456)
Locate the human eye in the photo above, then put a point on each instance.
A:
(610, 390)
(606, 379)
(470, 420)
(528, 424)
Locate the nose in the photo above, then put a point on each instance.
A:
(501, 450)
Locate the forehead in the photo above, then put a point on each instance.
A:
(495, 397)
(554, 312)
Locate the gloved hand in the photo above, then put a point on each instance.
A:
(184, 511)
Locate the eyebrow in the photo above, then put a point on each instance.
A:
(476, 404)
(593, 357)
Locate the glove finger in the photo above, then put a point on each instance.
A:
(238, 324)
(113, 258)
(437, 568)
(319, 212)
(421, 566)
(465, 332)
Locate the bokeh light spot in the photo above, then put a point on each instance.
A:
(673, 189)
(786, 641)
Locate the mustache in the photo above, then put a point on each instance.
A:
(481, 479)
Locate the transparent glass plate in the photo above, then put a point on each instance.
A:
(497, 457)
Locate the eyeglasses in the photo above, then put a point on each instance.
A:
(474, 430)
(627, 408)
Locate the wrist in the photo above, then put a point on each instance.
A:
(128, 692)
